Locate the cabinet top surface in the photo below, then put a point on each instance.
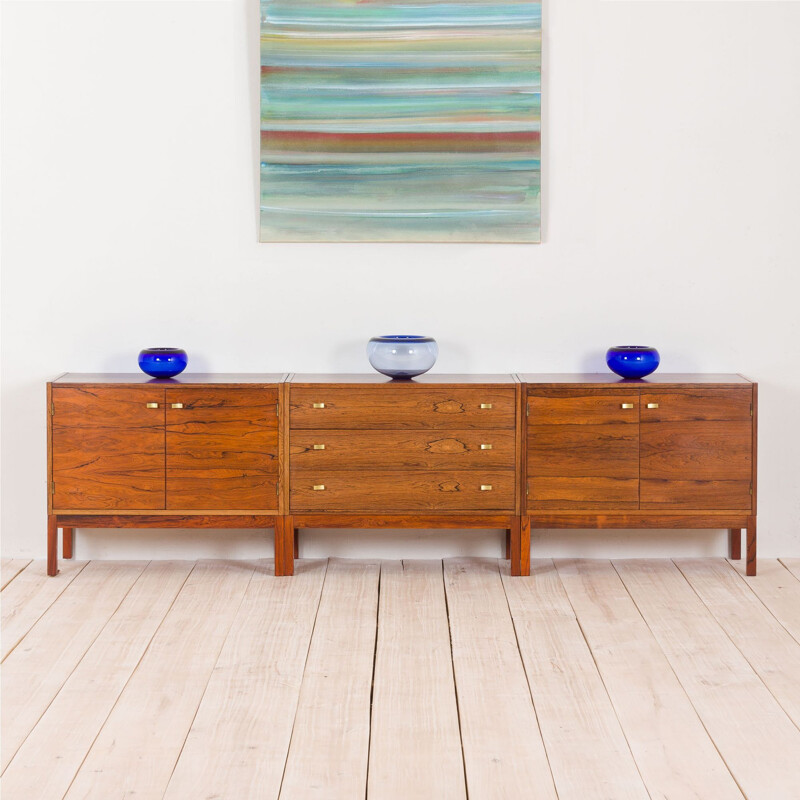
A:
(185, 379)
(421, 380)
(610, 379)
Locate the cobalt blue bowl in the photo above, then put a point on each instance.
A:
(632, 360)
(163, 362)
(402, 356)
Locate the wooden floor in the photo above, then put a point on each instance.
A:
(649, 680)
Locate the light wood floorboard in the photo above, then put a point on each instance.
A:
(793, 565)
(329, 750)
(10, 568)
(414, 701)
(355, 680)
(753, 734)
(503, 752)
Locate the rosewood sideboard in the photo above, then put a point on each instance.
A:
(442, 451)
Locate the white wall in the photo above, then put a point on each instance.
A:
(671, 211)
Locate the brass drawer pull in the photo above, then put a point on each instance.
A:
(152, 405)
(626, 405)
(319, 487)
(652, 405)
(319, 447)
(318, 405)
(177, 405)
(486, 405)
(486, 487)
(486, 447)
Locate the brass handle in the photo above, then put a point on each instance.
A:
(486, 405)
(486, 447)
(652, 405)
(318, 405)
(626, 405)
(319, 487)
(319, 446)
(152, 405)
(486, 487)
(176, 405)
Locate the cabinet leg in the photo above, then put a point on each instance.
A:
(735, 542)
(284, 546)
(521, 546)
(297, 543)
(67, 538)
(751, 546)
(508, 543)
(52, 545)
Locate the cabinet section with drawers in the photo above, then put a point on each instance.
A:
(439, 451)
(195, 451)
(669, 451)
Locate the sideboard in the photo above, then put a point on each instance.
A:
(512, 452)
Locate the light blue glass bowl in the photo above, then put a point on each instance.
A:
(402, 356)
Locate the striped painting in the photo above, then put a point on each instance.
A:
(394, 121)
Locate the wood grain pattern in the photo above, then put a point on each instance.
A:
(403, 491)
(702, 494)
(375, 378)
(201, 379)
(586, 748)
(414, 699)
(222, 448)
(567, 407)
(168, 520)
(449, 449)
(402, 407)
(415, 520)
(11, 567)
(572, 451)
(608, 381)
(648, 519)
(108, 448)
(583, 493)
(692, 405)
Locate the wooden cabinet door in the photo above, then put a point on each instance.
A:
(583, 450)
(222, 449)
(696, 449)
(108, 448)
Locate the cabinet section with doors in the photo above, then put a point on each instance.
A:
(669, 451)
(193, 451)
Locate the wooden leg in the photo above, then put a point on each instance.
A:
(521, 546)
(751, 546)
(508, 542)
(297, 543)
(284, 546)
(735, 542)
(67, 538)
(52, 545)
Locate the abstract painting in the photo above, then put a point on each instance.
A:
(392, 121)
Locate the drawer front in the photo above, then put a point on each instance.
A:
(716, 495)
(354, 450)
(222, 449)
(401, 407)
(573, 408)
(585, 494)
(609, 451)
(685, 405)
(388, 492)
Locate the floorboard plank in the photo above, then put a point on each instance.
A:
(761, 639)
(778, 590)
(238, 742)
(753, 734)
(53, 752)
(28, 597)
(588, 754)
(137, 748)
(35, 670)
(672, 749)
(504, 756)
(330, 743)
(10, 568)
(793, 565)
(414, 698)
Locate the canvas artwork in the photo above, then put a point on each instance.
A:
(390, 121)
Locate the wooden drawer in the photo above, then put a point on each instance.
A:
(401, 407)
(329, 449)
(685, 405)
(576, 408)
(585, 494)
(389, 492)
(714, 495)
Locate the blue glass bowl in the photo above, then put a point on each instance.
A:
(632, 360)
(163, 362)
(402, 356)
